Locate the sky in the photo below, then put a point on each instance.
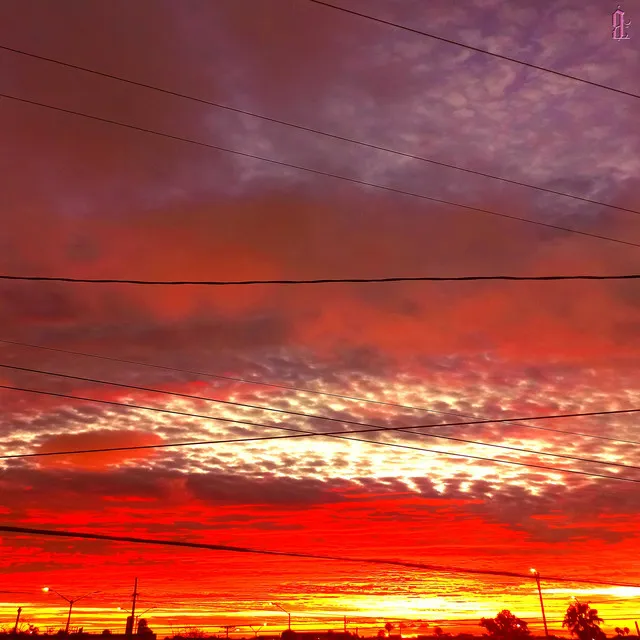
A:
(88, 199)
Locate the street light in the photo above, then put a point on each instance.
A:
(71, 602)
(256, 631)
(15, 628)
(275, 604)
(536, 575)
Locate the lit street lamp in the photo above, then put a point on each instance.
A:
(536, 575)
(275, 604)
(71, 602)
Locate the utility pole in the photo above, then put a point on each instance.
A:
(15, 629)
(275, 604)
(536, 575)
(637, 628)
(345, 625)
(66, 630)
(71, 603)
(132, 618)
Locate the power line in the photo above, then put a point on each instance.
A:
(476, 49)
(293, 125)
(607, 601)
(315, 391)
(293, 554)
(237, 283)
(326, 174)
(299, 433)
(370, 426)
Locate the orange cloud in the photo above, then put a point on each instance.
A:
(290, 236)
(97, 440)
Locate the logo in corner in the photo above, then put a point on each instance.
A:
(620, 27)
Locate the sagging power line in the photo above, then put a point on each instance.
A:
(299, 433)
(370, 427)
(293, 125)
(499, 56)
(311, 556)
(328, 394)
(326, 174)
(238, 283)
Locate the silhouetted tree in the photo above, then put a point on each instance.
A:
(506, 626)
(622, 632)
(26, 628)
(143, 628)
(583, 621)
(389, 628)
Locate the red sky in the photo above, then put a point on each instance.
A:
(84, 199)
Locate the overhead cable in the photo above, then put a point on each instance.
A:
(328, 394)
(311, 556)
(362, 143)
(299, 433)
(476, 49)
(237, 283)
(319, 172)
(299, 414)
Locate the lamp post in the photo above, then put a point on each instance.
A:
(15, 628)
(275, 604)
(256, 631)
(71, 602)
(536, 575)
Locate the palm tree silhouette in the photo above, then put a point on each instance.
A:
(583, 621)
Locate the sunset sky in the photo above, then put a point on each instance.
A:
(85, 199)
